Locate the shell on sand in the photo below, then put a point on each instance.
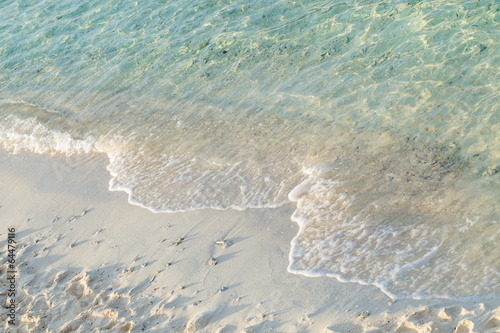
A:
(224, 243)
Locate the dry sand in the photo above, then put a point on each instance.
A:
(89, 261)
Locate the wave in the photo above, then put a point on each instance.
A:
(358, 221)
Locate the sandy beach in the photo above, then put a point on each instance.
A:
(249, 166)
(88, 261)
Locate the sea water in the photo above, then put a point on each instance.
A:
(379, 120)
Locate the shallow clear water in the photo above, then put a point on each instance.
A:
(379, 120)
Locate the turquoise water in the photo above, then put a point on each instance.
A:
(378, 120)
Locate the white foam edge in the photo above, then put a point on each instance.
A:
(114, 187)
(294, 246)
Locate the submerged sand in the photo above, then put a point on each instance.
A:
(90, 261)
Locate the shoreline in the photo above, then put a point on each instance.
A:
(89, 259)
